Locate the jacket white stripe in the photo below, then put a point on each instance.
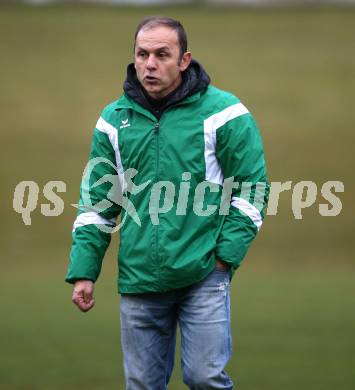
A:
(210, 125)
(91, 218)
(112, 134)
(247, 208)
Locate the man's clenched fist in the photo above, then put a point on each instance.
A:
(83, 294)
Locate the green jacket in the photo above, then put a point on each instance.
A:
(172, 225)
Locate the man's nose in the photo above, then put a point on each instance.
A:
(151, 63)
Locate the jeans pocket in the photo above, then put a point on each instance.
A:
(221, 270)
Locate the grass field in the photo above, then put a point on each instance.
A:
(293, 301)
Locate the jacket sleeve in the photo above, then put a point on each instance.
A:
(240, 153)
(97, 209)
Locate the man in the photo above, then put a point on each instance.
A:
(181, 140)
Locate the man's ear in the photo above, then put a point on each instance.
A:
(185, 61)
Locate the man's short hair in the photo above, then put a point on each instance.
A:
(156, 21)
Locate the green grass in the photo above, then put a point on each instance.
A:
(290, 330)
(292, 300)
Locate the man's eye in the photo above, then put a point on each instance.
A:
(163, 54)
(141, 54)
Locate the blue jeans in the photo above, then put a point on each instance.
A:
(148, 332)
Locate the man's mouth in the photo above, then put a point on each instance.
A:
(151, 79)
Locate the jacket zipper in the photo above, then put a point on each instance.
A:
(156, 132)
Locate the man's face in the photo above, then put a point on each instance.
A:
(157, 60)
